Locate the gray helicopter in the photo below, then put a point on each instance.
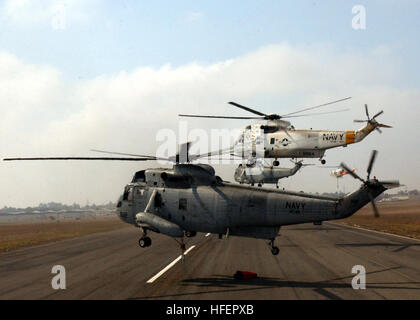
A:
(190, 198)
(257, 172)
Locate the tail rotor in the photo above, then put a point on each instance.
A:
(373, 121)
(368, 183)
(371, 162)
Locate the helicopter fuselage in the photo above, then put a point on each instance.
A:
(263, 174)
(170, 202)
(287, 142)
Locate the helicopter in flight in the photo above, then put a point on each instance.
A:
(277, 138)
(190, 198)
(259, 173)
(340, 172)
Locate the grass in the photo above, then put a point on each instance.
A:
(18, 235)
(401, 218)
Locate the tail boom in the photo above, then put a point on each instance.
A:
(350, 204)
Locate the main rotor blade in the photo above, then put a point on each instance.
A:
(367, 111)
(375, 209)
(132, 155)
(213, 153)
(247, 108)
(315, 114)
(360, 120)
(318, 106)
(350, 172)
(123, 154)
(383, 125)
(80, 158)
(372, 160)
(219, 117)
(378, 114)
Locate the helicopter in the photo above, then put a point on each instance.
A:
(259, 173)
(339, 173)
(190, 198)
(277, 138)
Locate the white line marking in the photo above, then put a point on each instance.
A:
(152, 279)
(208, 234)
(374, 231)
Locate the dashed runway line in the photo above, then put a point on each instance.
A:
(156, 276)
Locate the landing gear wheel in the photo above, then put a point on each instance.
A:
(323, 161)
(274, 250)
(148, 242)
(190, 234)
(145, 242)
(276, 163)
(260, 185)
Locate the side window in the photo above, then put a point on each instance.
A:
(125, 195)
(183, 204)
(158, 200)
(272, 141)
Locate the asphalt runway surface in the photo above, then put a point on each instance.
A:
(315, 262)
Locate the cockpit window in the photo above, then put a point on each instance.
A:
(139, 176)
(125, 194)
(128, 193)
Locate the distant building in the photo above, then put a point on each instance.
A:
(396, 198)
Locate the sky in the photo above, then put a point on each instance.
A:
(78, 75)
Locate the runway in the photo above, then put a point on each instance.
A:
(314, 262)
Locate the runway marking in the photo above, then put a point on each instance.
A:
(374, 231)
(208, 234)
(157, 275)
